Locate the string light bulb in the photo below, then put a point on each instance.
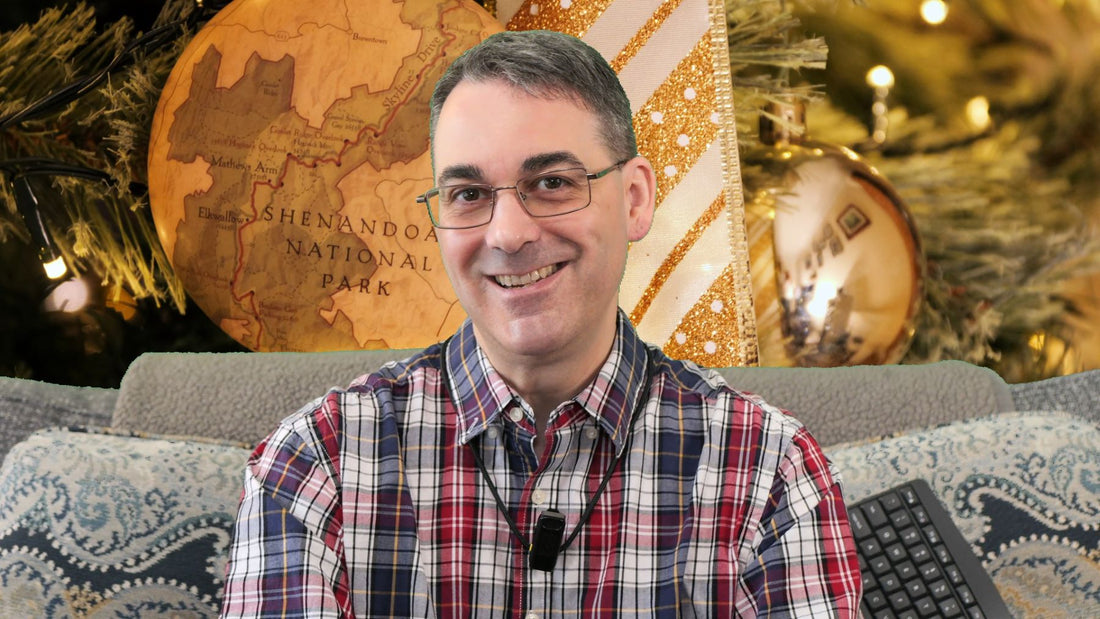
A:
(933, 12)
(29, 205)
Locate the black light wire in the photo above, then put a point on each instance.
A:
(639, 405)
(72, 91)
(18, 170)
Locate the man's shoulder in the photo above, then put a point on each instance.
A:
(400, 375)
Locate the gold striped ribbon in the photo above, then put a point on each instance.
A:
(687, 284)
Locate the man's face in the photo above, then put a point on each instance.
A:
(537, 287)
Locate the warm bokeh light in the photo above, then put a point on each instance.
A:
(880, 76)
(977, 113)
(69, 296)
(933, 11)
(823, 296)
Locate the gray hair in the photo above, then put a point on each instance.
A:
(550, 65)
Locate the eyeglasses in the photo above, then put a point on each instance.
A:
(546, 194)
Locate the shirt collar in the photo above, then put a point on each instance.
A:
(480, 393)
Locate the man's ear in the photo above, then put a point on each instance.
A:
(640, 189)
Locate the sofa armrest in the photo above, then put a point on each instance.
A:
(846, 404)
(232, 396)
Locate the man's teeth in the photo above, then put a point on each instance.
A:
(515, 281)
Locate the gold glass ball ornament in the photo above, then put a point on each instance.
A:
(837, 264)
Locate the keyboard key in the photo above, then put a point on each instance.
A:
(886, 535)
(891, 502)
(932, 534)
(929, 571)
(941, 552)
(899, 600)
(860, 528)
(974, 612)
(910, 496)
(966, 595)
(953, 574)
(926, 607)
(875, 600)
(950, 608)
(890, 583)
(875, 516)
(907, 571)
(881, 565)
(940, 589)
(916, 589)
(870, 547)
(920, 554)
(921, 516)
(896, 552)
(900, 519)
(910, 536)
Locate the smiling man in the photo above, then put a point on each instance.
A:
(543, 461)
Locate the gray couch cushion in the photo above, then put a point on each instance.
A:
(863, 402)
(242, 396)
(29, 405)
(1076, 393)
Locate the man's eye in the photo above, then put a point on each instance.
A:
(466, 194)
(552, 182)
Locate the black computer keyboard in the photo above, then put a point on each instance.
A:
(915, 562)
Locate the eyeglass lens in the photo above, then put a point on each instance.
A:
(543, 195)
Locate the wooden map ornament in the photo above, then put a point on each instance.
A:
(687, 285)
(285, 156)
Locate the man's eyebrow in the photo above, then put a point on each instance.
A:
(542, 161)
(464, 172)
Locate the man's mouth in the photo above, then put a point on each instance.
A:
(518, 281)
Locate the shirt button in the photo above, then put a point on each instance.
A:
(592, 432)
(532, 615)
(515, 414)
(538, 497)
(493, 432)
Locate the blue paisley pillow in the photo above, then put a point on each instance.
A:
(1024, 489)
(96, 524)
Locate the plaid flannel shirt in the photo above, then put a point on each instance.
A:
(368, 502)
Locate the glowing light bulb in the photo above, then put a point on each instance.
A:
(933, 12)
(977, 113)
(880, 76)
(55, 269)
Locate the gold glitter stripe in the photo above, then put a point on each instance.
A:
(711, 333)
(640, 38)
(740, 287)
(573, 17)
(675, 257)
(674, 127)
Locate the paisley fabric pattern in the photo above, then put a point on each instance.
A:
(94, 524)
(1024, 489)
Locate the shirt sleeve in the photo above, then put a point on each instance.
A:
(286, 557)
(804, 561)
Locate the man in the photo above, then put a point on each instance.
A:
(542, 462)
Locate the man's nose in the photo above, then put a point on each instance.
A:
(512, 226)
